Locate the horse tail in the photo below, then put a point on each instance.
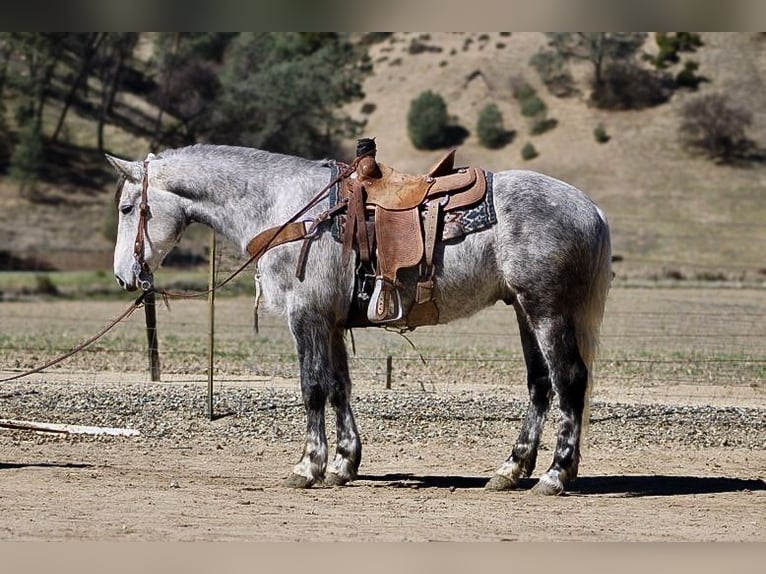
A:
(591, 314)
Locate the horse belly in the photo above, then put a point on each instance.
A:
(468, 279)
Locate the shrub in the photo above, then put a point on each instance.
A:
(711, 124)
(44, 285)
(490, 128)
(532, 106)
(600, 135)
(418, 47)
(528, 152)
(553, 73)
(428, 121)
(670, 44)
(542, 125)
(530, 103)
(688, 78)
(521, 89)
(628, 86)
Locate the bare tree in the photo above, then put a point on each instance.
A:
(710, 123)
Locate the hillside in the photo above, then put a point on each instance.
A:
(673, 215)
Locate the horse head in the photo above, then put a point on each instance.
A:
(151, 221)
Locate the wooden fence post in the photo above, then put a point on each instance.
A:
(150, 310)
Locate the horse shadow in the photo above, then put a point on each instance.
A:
(611, 485)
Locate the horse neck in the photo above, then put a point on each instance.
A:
(239, 201)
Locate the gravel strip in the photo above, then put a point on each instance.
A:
(177, 413)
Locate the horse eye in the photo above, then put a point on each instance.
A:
(126, 209)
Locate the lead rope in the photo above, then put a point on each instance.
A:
(137, 304)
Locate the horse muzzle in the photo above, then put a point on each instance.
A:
(141, 278)
(124, 284)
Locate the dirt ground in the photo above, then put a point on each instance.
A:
(676, 450)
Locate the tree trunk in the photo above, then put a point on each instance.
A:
(95, 42)
(123, 47)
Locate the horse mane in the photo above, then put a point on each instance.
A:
(245, 163)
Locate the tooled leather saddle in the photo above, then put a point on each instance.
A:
(393, 221)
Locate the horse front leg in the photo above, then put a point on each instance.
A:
(312, 340)
(348, 453)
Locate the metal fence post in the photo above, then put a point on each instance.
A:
(211, 327)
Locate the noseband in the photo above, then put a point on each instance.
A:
(141, 269)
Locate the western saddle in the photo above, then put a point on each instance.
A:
(393, 221)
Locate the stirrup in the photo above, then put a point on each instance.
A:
(385, 303)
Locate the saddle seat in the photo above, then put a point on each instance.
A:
(397, 191)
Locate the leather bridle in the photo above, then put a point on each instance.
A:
(141, 271)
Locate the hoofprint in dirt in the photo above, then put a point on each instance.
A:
(675, 449)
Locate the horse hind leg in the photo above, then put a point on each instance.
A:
(523, 457)
(348, 454)
(569, 380)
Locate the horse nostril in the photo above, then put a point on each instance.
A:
(120, 282)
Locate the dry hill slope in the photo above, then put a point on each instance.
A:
(670, 212)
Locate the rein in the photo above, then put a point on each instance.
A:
(137, 304)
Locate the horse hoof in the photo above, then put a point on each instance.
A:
(548, 486)
(298, 481)
(500, 482)
(335, 479)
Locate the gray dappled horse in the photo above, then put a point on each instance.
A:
(548, 255)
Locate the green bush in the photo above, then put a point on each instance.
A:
(542, 125)
(530, 103)
(428, 121)
(490, 128)
(688, 78)
(534, 108)
(670, 44)
(528, 152)
(599, 133)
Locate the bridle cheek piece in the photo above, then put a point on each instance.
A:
(141, 271)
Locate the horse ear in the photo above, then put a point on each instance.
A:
(132, 170)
